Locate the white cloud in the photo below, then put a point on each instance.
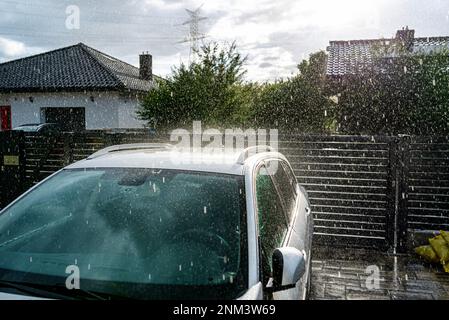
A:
(170, 4)
(10, 48)
(270, 63)
(257, 24)
(164, 64)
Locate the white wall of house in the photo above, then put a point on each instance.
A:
(108, 110)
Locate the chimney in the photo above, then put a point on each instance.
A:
(146, 67)
(406, 37)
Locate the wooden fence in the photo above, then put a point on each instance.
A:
(365, 190)
(12, 171)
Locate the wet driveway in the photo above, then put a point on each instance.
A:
(366, 274)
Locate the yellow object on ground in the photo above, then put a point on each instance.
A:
(445, 235)
(441, 247)
(437, 251)
(428, 254)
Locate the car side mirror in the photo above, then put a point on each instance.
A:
(289, 266)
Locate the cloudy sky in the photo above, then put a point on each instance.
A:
(275, 34)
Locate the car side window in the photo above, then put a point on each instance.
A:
(272, 222)
(285, 183)
(291, 176)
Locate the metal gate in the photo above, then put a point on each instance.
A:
(351, 181)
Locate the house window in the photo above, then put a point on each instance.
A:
(5, 118)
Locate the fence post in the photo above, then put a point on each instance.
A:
(402, 213)
(392, 192)
(68, 148)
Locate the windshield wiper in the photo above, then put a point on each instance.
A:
(29, 289)
(50, 292)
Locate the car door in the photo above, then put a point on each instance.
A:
(296, 204)
(296, 209)
(272, 223)
(303, 224)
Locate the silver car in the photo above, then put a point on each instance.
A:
(148, 221)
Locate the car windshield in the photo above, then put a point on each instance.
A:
(131, 233)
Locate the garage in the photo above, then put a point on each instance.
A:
(70, 119)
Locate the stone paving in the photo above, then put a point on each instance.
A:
(342, 274)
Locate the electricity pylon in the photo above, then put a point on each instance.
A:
(194, 33)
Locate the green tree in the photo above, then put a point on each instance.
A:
(299, 103)
(401, 94)
(210, 89)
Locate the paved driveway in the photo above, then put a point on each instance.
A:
(352, 274)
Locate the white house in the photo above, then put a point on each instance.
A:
(77, 86)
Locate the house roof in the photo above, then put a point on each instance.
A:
(74, 68)
(347, 57)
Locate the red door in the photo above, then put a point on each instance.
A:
(5, 118)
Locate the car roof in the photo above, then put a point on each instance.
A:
(218, 161)
(30, 125)
(37, 124)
